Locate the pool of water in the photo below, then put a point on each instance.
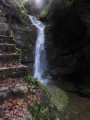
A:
(78, 108)
(73, 106)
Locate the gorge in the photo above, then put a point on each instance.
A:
(54, 38)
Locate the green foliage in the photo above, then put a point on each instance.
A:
(44, 13)
(19, 12)
(48, 26)
(33, 84)
(19, 51)
(69, 2)
(40, 110)
(10, 48)
(85, 91)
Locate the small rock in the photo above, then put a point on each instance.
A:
(20, 88)
(27, 117)
(4, 92)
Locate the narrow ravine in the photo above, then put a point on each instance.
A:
(71, 104)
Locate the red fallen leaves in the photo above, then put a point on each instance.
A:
(13, 108)
(8, 65)
(31, 97)
(10, 82)
(33, 119)
(5, 43)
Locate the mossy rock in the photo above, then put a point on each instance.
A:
(85, 91)
(58, 97)
(20, 71)
(7, 39)
(44, 13)
(8, 48)
(9, 58)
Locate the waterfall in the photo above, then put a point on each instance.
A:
(40, 65)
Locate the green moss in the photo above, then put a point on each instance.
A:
(19, 51)
(69, 2)
(48, 26)
(21, 15)
(10, 48)
(0, 7)
(44, 13)
(5, 75)
(85, 91)
(46, 108)
(13, 73)
(7, 39)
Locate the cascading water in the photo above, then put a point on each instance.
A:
(40, 65)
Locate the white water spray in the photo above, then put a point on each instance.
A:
(40, 65)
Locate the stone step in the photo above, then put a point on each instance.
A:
(9, 58)
(7, 48)
(12, 85)
(7, 39)
(13, 72)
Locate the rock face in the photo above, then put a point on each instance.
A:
(68, 40)
(26, 40)
(18, 12)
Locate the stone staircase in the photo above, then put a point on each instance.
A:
(10, 65)
(12, 72)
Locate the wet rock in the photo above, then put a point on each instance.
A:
(20, 88)
(58, 97)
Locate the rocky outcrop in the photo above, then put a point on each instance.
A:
(68, 39)
(26, 40)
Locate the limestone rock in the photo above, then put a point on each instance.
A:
(20, 88)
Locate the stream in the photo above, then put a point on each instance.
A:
(73, 106)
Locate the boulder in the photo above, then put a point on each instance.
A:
(20, 88)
